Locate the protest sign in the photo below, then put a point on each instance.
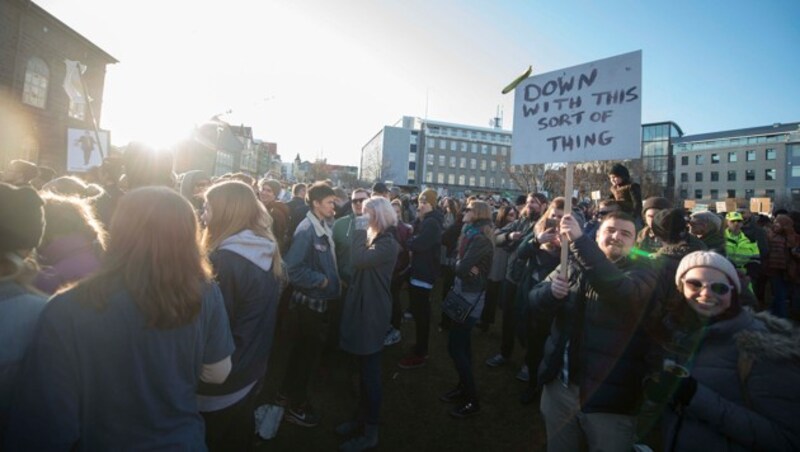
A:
(688, 204)
(722, 207)
(596, 195)
(760, 205)
(700, 208)
(583, 113)
(83, 150)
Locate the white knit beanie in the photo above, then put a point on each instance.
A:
(708, 259)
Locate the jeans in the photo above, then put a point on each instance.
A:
(308, 333)
(420, 303)
(780, 296)
(569, 429)
(508, 294)
(459, 346)
(371, 391)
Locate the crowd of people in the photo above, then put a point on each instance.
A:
(139, 308)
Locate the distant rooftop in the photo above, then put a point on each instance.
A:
(773, 129)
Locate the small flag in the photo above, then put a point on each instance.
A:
(72, 82)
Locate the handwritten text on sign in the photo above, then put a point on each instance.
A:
(588, 112)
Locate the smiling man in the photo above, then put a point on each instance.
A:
(595, 356)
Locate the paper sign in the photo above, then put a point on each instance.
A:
(700, 208)
(721, 207)
(596, 195)
(688, 204)
(760, 205)
(592, 111)
(83, 151)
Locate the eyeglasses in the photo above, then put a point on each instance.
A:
(358, 200)
(718, 288)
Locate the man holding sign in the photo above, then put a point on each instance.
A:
(595, 356)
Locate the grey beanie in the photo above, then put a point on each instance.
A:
(708, 259)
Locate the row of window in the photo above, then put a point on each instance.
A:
(463, 146)
(464, 180)
(729, 142)
(749, 156)
(770, 174)
(714, 194)
(492, 165)
(463, 133)
(37, 82)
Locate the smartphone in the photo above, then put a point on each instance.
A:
(550, 223)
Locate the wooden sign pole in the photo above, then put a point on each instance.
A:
(567, 210)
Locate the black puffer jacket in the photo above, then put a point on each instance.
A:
(475, 250)
(602, 320)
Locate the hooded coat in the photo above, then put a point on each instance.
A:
(735, 408)
(243, 267)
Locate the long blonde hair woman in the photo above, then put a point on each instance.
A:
(247, 264)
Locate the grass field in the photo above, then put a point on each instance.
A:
(412, 417)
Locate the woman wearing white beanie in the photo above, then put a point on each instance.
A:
(735, 385)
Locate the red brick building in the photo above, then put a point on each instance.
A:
(35, 111)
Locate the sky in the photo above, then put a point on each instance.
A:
(322, 77)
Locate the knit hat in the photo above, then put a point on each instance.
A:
(734, 216)
(621, 171)
(669, 225)
(708, 259)
(708, 218)
(655, 202)
(429, 196)
(22, 221)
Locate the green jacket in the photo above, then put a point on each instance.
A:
(740, 249)
(343, 237)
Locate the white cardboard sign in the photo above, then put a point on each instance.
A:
(83, 151)
(588, 112)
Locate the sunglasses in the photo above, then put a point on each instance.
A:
(358, 200)
(717, 287)
(604, 212)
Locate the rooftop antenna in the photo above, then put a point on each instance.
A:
(427, 91)
(497, 121)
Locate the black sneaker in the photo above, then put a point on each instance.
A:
(303, 416)
(465, 410)
(454, 395)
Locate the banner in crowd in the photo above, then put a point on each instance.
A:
(588, 112)
(83, 151)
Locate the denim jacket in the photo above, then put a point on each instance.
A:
(312, 258)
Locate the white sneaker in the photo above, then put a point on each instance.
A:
(523, 374)
(496, 360)
(392, 337)
(407, 316)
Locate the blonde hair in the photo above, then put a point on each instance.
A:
(482, 211)
(381, 210)
(235, 208)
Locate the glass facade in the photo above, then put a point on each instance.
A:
(657, 160)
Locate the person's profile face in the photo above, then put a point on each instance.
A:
(327, 207)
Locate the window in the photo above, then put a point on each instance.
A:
(698, 194)
(770, 174)
(770, 154)
(411, 177)
(482, 181)
(731, 193)
(750, 174)
(463, 146)
(77, 110)
(749, 193)
(443, 144)
(491, 182)
(750, 156)
(684, 193)
(430, 159)
(37, 77)
(483, 165)
(452, 162)
(494, 149)
(714, 194)
(770, 193)
(699, 159)
(412, 165)
(684, 160)
(715, 176)
(440, 178)
(493, 165)
(731, 176)
(732, 157)
(462, 163)
(698, 177)
(473, 164)
(451, 179)
(714, 158)
(429, 177)
(461, 179)
(503, 183)
(431, 143)
(472, 181)
(684, 177)
(503, 151)
(412, 157)
(484, 149)
(795, 170)
(474, 147)
(453, 145)
(442, 160)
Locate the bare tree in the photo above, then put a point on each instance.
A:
(319, 170)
